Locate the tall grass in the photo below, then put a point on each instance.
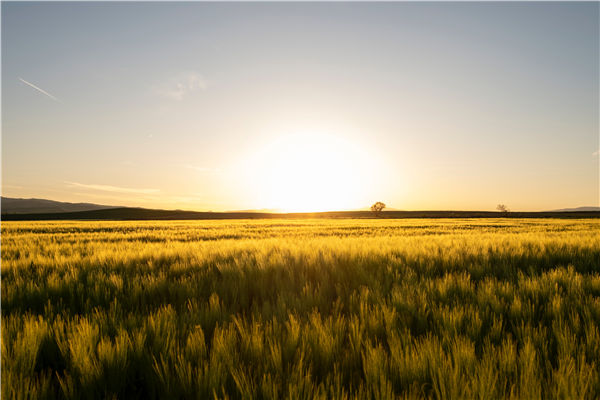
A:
(301, 309)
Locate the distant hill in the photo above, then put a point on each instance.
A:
(578, 209)
(126, 213)
(42, 206)
(41, 209)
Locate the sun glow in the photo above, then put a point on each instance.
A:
(314, 172)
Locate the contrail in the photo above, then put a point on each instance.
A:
(39, 90)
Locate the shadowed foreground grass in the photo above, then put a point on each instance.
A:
(301, 309)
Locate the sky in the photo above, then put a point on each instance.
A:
(302, 106)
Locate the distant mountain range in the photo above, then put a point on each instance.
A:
(44, 209)
(43, 206)
(577, 209)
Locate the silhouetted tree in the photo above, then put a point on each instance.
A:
(502, 208)
(377, 207)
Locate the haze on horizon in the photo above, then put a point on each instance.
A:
(302, 106)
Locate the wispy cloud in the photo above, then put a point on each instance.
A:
(113, 189)
(597, 152)
(178, 87)
(39, 89)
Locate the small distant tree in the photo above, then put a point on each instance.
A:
(377, 207)
(502, 208)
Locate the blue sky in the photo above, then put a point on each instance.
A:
(221, 106)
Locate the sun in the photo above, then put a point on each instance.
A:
(308, 172)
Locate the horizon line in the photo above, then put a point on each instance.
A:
(280, 211)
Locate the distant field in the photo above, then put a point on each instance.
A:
(133, 214)
(301, 309)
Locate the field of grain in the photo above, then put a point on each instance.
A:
(301, 309)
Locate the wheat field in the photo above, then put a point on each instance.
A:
(301, 309)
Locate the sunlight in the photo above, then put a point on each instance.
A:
(308, 172)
